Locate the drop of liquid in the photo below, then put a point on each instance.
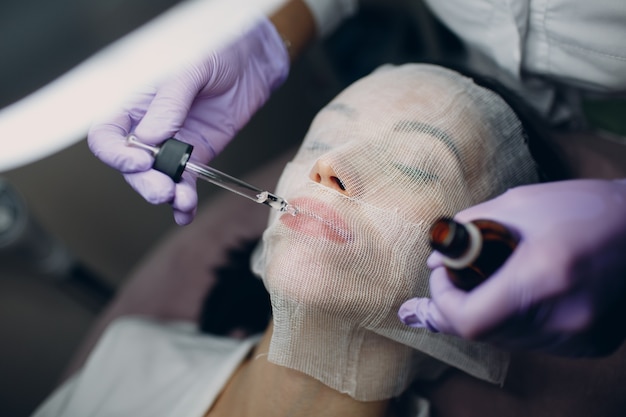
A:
(277, 203)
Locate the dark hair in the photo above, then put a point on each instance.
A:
(239, 301)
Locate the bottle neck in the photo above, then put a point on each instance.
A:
(459, 243)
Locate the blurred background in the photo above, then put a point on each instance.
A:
(71, 229)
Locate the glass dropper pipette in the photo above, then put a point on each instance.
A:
(172, 158)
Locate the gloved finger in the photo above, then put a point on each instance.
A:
(473, 313)
(572, 313)
(510, 309)
(167, 111)
(423, 313)
(155, 187)
(185, 200)
(435, 260)
(183, 218)
(214, 128)
(107, 141)
(523, 331)
(446, 300)
(518, 291)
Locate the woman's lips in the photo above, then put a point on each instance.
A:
(317, 219)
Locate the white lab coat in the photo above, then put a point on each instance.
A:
(550, 51)
(142, 367)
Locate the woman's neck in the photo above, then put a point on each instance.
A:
(260, 388)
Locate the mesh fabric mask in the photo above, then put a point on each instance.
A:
(400, 148)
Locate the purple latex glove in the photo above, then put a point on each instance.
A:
(563, 289)
(205, 105)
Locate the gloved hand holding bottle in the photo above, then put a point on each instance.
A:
(562, 291)
(205, 104)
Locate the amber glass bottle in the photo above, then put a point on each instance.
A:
(472, 251)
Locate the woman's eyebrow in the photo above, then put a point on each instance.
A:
(416, 173)
(420, 127)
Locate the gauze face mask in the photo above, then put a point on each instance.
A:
(380, 163)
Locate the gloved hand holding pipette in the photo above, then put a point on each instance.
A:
(562, 290)
(204, 106)
(172, 159)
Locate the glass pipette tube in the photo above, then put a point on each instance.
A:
(225, 181)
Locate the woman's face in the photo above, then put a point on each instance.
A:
(378, 165)
(390, 154)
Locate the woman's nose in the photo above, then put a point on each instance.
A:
(324, 174)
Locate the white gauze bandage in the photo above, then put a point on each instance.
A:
(387, 156)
